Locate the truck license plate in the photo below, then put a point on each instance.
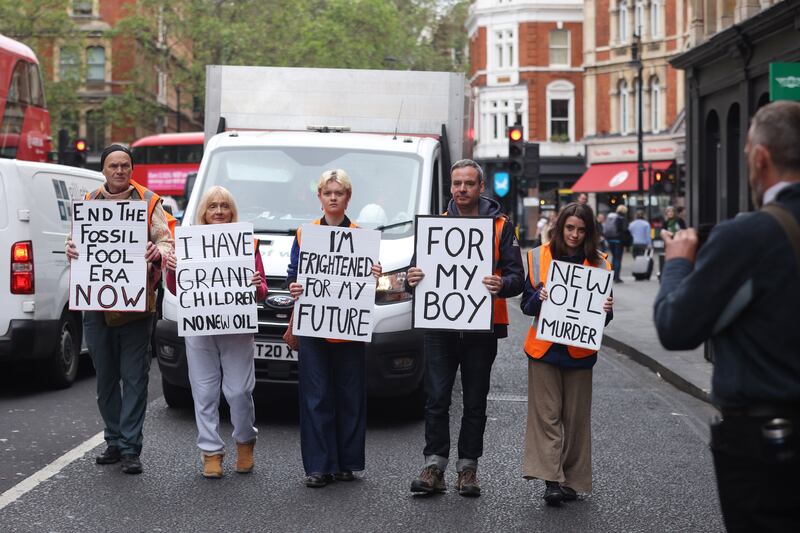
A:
(277, 351)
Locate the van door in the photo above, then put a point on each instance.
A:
(52, 192)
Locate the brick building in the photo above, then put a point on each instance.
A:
(525, 66)
(612, 30)
(109, 66)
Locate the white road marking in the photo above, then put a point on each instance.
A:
(30, 483)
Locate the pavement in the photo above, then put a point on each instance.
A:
(633, 333)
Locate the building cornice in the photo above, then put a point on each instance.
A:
(737, 39)
(523, 11)
(521, 70)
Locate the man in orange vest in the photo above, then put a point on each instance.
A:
(474, 352)
(119, 343)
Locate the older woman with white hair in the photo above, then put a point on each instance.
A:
(332, 373)
(222, 360)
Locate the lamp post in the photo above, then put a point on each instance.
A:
(636, 62)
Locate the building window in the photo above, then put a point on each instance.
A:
(68, 64)
(560, 111)
(622, 19)
(95, 64)
(624, 111)
(96, 130)
(559, 47)
(82, 7)
(655, 18)
(504, 53)
(655, 104)
(638, 17)
(499, 115)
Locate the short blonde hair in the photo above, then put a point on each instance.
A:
(339, 176)
(206, 199)
(622, 210)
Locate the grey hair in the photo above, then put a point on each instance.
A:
(464, 163)
(776, 126)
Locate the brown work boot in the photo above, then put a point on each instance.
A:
(430, 480)
(212, 465)
(467, 484)
(244, 457)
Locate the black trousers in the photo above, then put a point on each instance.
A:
(444, 353)
(757, 492)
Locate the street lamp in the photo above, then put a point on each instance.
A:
(636, 62)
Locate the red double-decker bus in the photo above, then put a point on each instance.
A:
(161, 162)
(24, 119)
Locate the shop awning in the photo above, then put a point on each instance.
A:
(615, 177)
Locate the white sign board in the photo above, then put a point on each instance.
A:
(573, 312)
(335, 270)
(110, 273)
(212, 279)
(455, 254)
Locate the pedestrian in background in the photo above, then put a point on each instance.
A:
(547, 231)
(332, 373)
(558, 434)
(740, 290)
(473, 352)
(583, 198)
(603, 246)
(615, 230)
(119, 343)
(640, 232)
(672, 223)
(222, 360)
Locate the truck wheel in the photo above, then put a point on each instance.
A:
(175, 396)
(64, 361)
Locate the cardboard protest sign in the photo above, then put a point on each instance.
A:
(573, 312)
(335, 270)
(212, 279)
(110, 273)
(455, 253)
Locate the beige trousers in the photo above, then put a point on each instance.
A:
(558, 437)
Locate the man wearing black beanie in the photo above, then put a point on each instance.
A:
(119, 343)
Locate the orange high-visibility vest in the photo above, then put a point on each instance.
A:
(318, 222)
(536, 348)
(499, 306)
(148, 196)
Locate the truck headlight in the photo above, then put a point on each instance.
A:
(392, 287)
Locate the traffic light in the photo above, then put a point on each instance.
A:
(80, 148)
(530, 169)
(516, 154)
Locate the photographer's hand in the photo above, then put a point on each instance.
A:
(682, 245)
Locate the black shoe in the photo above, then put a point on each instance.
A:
(430, 480)
(110, 456)
(569, 494)
(553, 494)
(131, 464)
(618, 281)
(344, 475)
(317, 481)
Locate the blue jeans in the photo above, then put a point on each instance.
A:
(120, 353)
(617, 250)
(333, 405)
(444, 353)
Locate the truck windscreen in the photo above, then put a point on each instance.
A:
(276, 188)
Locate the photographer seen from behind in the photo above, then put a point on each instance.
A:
(740, 290)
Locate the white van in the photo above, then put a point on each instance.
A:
(35, 218)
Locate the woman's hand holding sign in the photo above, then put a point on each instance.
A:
(609, 304)
(414, 276)
(377, 270)
(152, 253)
(296, 290)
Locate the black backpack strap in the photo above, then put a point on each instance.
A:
(786, 219)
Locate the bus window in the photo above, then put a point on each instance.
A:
(35, 82)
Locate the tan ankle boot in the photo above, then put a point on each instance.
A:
(212, 465)
(244, 457)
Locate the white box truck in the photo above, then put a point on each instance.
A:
(36, 325)
(270, 133)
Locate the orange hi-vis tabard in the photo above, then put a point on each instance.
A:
(537, 273)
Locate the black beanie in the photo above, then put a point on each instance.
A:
(110, 149)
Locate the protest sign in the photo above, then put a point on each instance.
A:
(110, 273)
(212, 279)
(335, 270)
(455, 253)
(573, 312)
